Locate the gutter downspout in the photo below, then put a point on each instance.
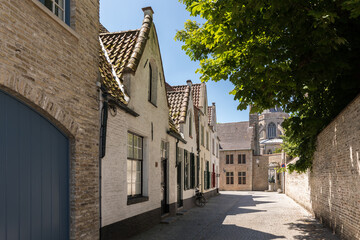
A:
(103, 105)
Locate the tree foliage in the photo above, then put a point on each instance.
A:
(301, 55)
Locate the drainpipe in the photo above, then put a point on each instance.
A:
(103, 105)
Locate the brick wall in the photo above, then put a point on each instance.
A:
(297, 187)
(260, 173)
(334, 182)
(53, 68)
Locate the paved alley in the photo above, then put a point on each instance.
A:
(243, 215)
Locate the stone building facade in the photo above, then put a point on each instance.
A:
(257, 139)
(331, 190)
(48, 65)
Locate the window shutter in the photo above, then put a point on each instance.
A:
(192, 174)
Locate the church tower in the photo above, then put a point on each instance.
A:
(253, 122)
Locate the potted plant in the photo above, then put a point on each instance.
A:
(271, 183)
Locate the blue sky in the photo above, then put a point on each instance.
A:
(169, 16)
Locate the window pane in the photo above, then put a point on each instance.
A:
(59, 12)
(130, 146)
(129, 189)
(137, 188)
(129, 170)
(49, 4)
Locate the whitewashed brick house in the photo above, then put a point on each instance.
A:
(139, 152)
(182, 113)
(204, 169)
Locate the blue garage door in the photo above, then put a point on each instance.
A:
(34, 175)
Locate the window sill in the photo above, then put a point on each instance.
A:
(55, 18)
(134, 200)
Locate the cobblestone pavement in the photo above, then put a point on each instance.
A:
(243, 215)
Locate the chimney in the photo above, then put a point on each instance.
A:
(213, 104)
(189, 82)
(148, 11)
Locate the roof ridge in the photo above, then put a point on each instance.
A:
(118, 32)
(140, 44)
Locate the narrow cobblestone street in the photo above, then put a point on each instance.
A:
(243, 215)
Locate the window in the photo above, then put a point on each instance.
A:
(61, 8)
(207, 140)
(229, 178)
(190, 124)
(217, 150)
(152, 84)
(164, 150)
(186, 170)
(242, 177)
(134, 165)
(241, 159)
(202, 135)
(271, 130)
(230, 159)
(213, 147)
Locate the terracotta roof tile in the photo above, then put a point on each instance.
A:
(108, 79)
(195, 88)
(178, 103)
(121, 52)
(120, 46)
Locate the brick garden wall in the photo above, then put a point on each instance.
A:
(297, 187)
(53, 68)
(334, 182)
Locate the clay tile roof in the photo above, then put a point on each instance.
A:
(108, 80)
(195, 88)
(196, 94)
(210, 114)
(178, 103)
(122, 51)
(235, 136)
(120, 46)
(126, 48)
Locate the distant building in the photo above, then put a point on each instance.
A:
(248, 148)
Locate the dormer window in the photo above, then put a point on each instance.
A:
(271, 130)
(61, 8)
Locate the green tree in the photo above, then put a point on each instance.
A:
(301, 55)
